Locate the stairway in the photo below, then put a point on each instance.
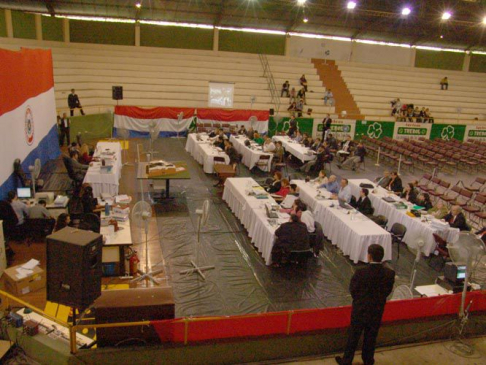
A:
(331, 78)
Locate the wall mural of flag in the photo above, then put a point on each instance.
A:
(28, 123)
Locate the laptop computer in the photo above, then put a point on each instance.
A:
(343, 204)
(271, 213)
(24, 193)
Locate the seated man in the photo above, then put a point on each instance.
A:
(332, 142)
(344, 193)
(285, 89)
(279, 152)
(456, 218)
(395, 183)
(364, 203)
(357, 158)
(332, 185)
(21, 210)
(290, 236)
(39, 211)
(292, 195)
(439, 211)
(444, 84)
(323, 156)
(231, 152)
(268, 145)
(384, 180)
(315, 145)
(250, 133)
(345, 148)
(242, 130)
(214, 133)
(219, 143)
(78, 168)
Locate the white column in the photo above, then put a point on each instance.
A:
(137, 34)
(215, 39)
(413, 55)
(287, 45)
(8, 21)
(467, 62)
(38, 26)
(65, 30)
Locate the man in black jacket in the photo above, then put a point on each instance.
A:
(369, 287)
(326, 125)
(395, 183)
(73, 103)
(64, 127)
(364, 203)
(456, 218)
(291, 236)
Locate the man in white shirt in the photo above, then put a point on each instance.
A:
(345, 191)
(308, 219)
(39, 211)
(268, 145)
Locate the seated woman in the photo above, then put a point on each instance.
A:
(423, 200)
(439, 211)
(363, 204)
(321, 178)
(85, 155)
(90, 203)
(284, 190)
(290, 236)
(63, 221)
(276, 184)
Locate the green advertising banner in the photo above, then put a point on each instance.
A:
(340, 128)
(305, 125)
(476, 132)
(374, 129)
(411, 130)
(448, 131)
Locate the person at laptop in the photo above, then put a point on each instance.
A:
(344, 193)
(364, 203)
(332, 185)
(39, 211)
(289, 200)
(290, 236)
(456, 218)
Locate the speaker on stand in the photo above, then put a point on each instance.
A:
(117, 93)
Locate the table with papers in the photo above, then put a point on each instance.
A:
(250, 155)
(416, 227)
(115, 243)
(349, 230)
(251, 212)
(298, 150)
(204, 152)
(101, 181)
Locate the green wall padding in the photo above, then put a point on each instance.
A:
(3, 24)
(305, 125)
(23, 25)
(439, 60)
(51, 29)
(478, 63)
(82, 31)
(175, 37)
(92, 127)
(374, 129)
(234, 41)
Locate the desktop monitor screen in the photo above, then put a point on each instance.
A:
(24, 193)
(461, 272)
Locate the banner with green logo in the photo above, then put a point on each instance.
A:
(448, 131)
(340, 128)
(475, 133)
(405, 130)
(305, 125)
(374, 129)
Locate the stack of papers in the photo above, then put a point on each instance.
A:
(61, 201)
(26, 269)
(121, 214)
(123, 199)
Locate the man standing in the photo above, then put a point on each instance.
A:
(369, 287)
(326, 126)
(73, 103)
(64, 126)
(285, 89)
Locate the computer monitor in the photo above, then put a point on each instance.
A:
(461, 272)
(24, 193)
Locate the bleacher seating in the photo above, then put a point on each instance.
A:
(169, 77)
(374, 86)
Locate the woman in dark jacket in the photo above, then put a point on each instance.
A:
(276, 185)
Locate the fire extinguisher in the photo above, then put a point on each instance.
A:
(133, 263)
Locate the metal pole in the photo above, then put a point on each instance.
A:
(378, 157)
(399, 164)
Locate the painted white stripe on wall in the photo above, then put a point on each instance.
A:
(13, 129)
(142, 125)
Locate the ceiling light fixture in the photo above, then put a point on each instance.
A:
(138, 4)
(406, 11)
(301, 2)
(484, 20)
(446, 15)
(351, 5)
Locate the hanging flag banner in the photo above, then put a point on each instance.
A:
(257, 119)
(411, 130)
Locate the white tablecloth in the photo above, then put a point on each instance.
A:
(353, 233)
(296, 149)
(251, 212)
(101, 182)
(415, 227)
(203, 152)
(250, 156)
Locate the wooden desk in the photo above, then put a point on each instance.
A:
(114, 248)
(224, 172)
(183, 175)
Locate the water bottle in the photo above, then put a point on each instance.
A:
(107, 209)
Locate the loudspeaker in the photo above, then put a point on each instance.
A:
(272, 111)
(74, 267)
(117, 92)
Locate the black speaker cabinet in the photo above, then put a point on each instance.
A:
(74, 267)
(117, 92)
(272, 111)
(132, 305)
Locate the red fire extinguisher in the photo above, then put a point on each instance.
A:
(133, 263)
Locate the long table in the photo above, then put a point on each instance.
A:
(105, 182)
(115, 244)
(251, 212)
(203, 152)
(416, 228)
(295, 148)
(349, 230)
(250, 155)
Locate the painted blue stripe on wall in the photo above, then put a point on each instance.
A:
(137, 134)
(48, 149)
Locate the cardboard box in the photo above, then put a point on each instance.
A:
(25, 285)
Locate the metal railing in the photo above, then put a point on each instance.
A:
(267, 73)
